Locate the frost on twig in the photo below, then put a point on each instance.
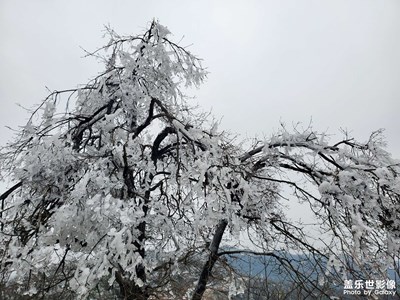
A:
(121, 183)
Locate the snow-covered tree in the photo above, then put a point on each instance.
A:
(122, 183)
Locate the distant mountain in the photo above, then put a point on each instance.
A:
(262, 270)
(269, 266)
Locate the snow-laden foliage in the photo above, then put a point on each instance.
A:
(133, 186)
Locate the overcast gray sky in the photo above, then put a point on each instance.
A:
(336, 62)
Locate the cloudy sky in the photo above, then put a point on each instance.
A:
(335, 62)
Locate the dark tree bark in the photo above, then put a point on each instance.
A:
(4, 196)
(212, 259)
(129, 290)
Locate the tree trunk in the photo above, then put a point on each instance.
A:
(129, 289)
(212, 258)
